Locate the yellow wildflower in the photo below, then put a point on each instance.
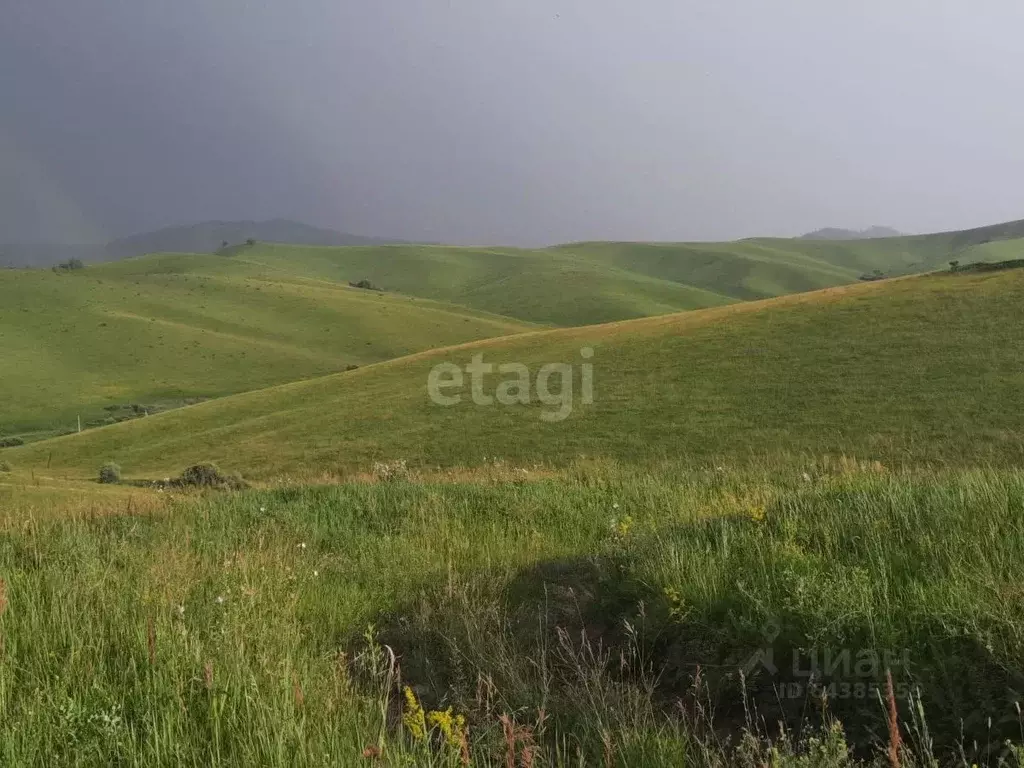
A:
(452, 727)
(413, 717)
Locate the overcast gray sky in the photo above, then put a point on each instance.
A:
(510, 121)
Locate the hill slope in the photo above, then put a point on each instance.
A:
(159, 329)
(928, 368)
(587, 283)
(551, 286)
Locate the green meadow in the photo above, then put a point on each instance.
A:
(786, 530)
(160, 330)
(892, 370)
(605, 616)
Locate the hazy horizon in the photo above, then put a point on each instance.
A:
(519, 123)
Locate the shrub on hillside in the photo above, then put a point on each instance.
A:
(351, 367)
(208, 476)
(11, 442)
(4, 466)
(69, 266)
(110, 474)
(365, 285)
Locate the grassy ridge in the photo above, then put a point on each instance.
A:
(162, 328)
(923, 369)
(586, 283)
(553, 287)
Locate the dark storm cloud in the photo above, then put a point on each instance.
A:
(510, 121)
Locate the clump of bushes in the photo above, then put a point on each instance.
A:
(69, 266)
(365, 285)
(204, 476)
(11, 442)
(110, 474)
(351, 367)
(987, 266)
(4, 466)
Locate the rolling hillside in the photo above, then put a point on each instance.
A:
(587, 283)
(924, 367)
(158, 330)
(256, 316)
(552, 286)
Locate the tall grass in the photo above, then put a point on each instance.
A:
(600, 618)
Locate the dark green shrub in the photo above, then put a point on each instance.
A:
(110, 474)
(4, 466)
(202, 475)
(351, 367)
(11, 442)
(70, 265)
(365, 285)
(209, 476)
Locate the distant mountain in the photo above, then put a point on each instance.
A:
(204, 237)
(208, 236)
(48, 254)
(834, 233)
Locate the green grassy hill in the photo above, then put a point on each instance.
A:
(553, 286)
(587, 283)
(157, 330)
(927, 369)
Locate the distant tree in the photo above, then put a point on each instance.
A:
(250, 242)
(223, 244)
(953, 265)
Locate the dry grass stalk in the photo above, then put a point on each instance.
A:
(151, 640)
(521, 736)
(894, 726)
